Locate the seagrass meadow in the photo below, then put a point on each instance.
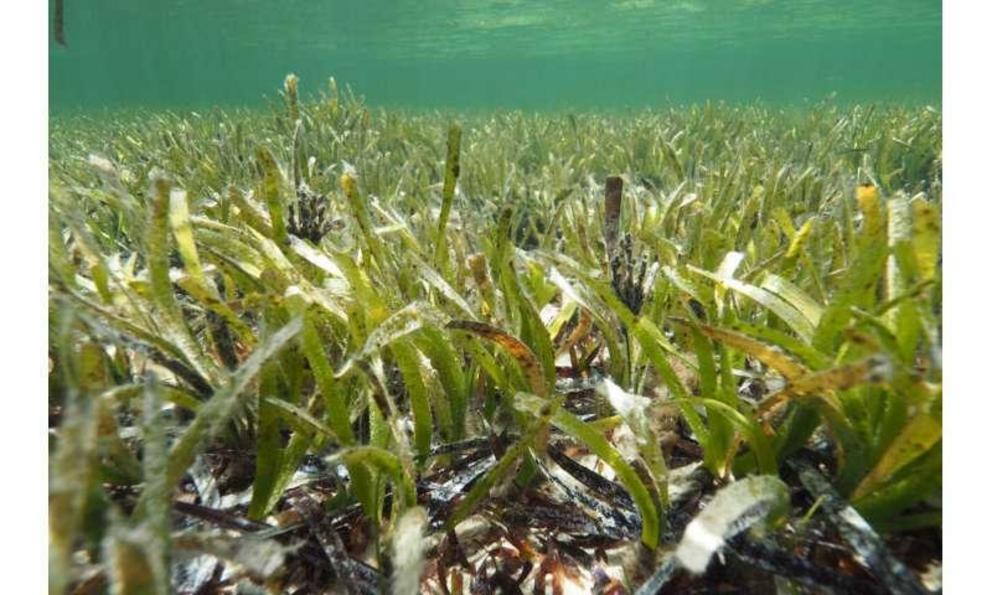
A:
(326, 347)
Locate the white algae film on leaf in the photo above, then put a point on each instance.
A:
(408, 552)
(735, 508)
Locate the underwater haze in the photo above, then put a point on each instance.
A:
(447, 296)
(497, 53)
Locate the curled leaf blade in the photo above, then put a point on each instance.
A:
(513, 346)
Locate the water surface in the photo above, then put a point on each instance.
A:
(498, 53)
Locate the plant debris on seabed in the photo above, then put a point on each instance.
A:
(326, 362)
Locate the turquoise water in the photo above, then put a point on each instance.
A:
(497, 53)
